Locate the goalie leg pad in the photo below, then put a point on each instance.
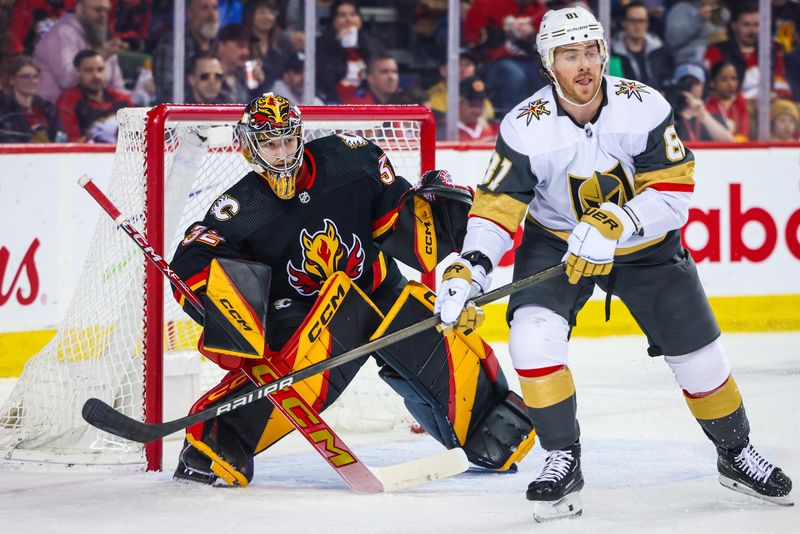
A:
(340, 319)
(451, 384)
(503, 436)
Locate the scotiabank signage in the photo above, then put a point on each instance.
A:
(743, 223)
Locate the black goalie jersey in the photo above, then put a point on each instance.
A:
(346, 202)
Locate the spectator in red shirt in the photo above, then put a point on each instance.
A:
(503, 32)
(693, 122)
(27, 118)
(131, 22)
(30, 19)
(343, 53)
(382, 84)
(88, 111)
(742, 50)
(73, 32)
(472, 127)
(726, 102)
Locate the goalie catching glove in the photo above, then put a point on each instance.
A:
(465, 279)
(591, 245)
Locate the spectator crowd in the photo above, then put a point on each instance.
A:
(69, 65)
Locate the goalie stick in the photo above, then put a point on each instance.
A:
(101, 415)
(356, 474)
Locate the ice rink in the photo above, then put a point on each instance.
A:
(647, 465)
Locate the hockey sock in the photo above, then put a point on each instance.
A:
(552, 404)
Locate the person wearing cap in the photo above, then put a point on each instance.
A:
(293, 79)
(592, 166)
(472, 127)
(233, 51)
(693, 122)
(437, 94)
(784, 120)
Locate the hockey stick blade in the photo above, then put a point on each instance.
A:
(108, 419)
(416, 472)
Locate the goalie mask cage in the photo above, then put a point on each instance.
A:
(123, 329)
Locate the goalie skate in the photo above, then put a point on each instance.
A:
(556, 491)
(746, 471)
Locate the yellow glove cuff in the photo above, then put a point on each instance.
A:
(605, 221)
(458, 269)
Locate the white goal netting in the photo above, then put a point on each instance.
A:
(99, 349)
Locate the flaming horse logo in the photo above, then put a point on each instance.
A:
(324, 254)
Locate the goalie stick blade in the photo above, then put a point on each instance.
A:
(417, 472)
(100, 415)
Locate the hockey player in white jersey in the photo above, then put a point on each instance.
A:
(594, 166)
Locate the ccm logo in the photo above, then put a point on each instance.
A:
(235, 314)
(428, 237)
(327, 314)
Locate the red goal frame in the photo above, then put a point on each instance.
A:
(154, 170)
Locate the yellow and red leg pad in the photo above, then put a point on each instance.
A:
(721, 414)
(220, 440)
(453, 386)
(549, 394)
(342, 318)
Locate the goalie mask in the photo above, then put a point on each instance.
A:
(567, 27)
(271, 137)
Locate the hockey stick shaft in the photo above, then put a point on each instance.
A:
(103, 416)
(141, 241)
(307, 421)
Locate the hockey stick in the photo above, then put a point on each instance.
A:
(359, 476)
(104, 417)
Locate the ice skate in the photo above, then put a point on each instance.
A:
(556, 491)
(746, 471)
(194, 467)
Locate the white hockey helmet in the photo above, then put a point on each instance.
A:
(567, 26)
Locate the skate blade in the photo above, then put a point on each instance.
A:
(731, 484)
(568, 507)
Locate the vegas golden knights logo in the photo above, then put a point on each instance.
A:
(606, 186)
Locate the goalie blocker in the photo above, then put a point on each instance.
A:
(452, 385)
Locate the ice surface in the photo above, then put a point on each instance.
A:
(647, 465)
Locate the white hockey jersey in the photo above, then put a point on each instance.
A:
(548, 166)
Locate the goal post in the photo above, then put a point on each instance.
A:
(171, 162)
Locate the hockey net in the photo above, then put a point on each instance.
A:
(124, 340)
